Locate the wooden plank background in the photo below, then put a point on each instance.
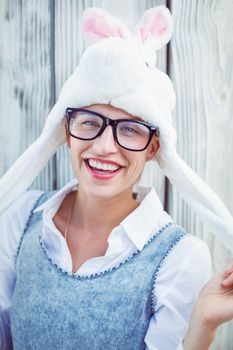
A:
(40, 45)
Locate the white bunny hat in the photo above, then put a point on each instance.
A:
(118, 68)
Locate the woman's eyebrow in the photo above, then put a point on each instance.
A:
(136, 118)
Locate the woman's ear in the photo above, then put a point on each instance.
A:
(153, 148)
(67, 134)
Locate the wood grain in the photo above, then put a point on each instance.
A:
(201, 69)
(25, 79)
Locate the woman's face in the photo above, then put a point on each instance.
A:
(102, 167)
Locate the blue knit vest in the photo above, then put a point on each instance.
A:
(53, 309)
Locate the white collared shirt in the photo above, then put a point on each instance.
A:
(179, 281)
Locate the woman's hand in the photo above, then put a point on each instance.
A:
(216, 299)
(214, 307)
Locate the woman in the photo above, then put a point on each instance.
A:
(100, 264)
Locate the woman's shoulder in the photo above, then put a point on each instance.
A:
(13, 220)
(193, 249)
(189, 264)
(188, 245)
(23, 205)
(190, 254)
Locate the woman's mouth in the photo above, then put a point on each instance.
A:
(101, 169)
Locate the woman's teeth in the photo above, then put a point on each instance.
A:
(102, 166)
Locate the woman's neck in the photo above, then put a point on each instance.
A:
(101, 215)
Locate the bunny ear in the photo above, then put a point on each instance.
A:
(98, 24)
(155, 27)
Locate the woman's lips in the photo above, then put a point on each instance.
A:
(102, 169)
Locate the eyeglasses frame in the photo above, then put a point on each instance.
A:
(153, 130)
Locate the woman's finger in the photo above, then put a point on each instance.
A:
(228, 281)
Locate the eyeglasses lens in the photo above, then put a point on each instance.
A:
(84, 125)
(130, 134)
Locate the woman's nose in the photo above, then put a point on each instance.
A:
(105, 143)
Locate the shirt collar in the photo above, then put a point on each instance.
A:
(143, 221)
(139, 225)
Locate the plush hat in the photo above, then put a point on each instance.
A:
(119, 68)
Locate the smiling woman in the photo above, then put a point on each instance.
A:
(100, 264)
(101, 150)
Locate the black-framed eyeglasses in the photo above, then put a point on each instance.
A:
(132, 135)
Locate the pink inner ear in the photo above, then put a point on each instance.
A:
(98, 29)
(156, 26)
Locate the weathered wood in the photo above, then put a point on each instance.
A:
(201, 69)
(25, 79)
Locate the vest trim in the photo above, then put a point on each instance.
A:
(97, 274)
(107, 271)
(35, 204)
(153, 296)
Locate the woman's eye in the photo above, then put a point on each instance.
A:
(90, 123)
(128, 130)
